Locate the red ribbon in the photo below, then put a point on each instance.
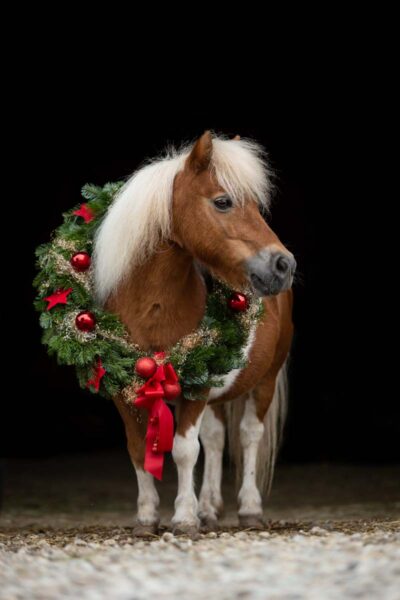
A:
(160, 426)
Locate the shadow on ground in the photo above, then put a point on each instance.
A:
(85, 492)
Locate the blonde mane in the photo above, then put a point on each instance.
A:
(140, 216)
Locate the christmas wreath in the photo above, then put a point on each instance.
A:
(81, 333)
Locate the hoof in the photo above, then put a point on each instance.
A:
(251, 522)
(141, 530)
(191, 531)
(208, 524)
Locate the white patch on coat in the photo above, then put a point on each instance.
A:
(212, 436)
(230, 378)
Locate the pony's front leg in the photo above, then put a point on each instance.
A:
(185, 453)
(147, 518)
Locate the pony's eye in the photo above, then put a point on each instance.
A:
(223, 203)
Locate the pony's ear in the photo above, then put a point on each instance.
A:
(236, 138)
(200, 156)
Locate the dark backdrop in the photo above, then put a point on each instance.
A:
(336, 412)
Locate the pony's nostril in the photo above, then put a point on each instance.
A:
(282, 265)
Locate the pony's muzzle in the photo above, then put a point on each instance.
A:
(271, 271)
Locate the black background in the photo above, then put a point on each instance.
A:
(314, 134)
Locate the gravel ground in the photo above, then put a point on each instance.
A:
(280, 563)
(66, 532)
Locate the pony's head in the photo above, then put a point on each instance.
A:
(216, 215)
(206, 199)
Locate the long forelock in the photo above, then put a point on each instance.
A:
(242, 170)
(140, 216)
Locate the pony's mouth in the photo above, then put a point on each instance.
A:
(270, 287)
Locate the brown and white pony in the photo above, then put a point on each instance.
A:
(199, 209)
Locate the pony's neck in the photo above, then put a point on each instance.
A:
(162, 300)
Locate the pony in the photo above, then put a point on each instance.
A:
(195, 211)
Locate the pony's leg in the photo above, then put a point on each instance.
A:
(251, 433)
(212, 436)
(185, 453)
(147, 518)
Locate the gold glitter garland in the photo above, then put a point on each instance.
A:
(70, 331)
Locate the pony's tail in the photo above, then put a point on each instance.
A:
(274, 421)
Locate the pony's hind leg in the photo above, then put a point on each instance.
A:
(251, 433)
(259, 438)
(212, 436)
(185, 453)
(147, 519)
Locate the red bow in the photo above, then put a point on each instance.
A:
(160, 426)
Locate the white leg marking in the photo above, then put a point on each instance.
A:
(212, 435)
(251, 432)
(185, 454)
(148, 500)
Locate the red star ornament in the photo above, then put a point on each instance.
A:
(85, 212)
(59, 297)
(98, 375)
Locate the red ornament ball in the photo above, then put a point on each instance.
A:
(171, 390)
(85, 321)
(238, 302)
(146, 367)
(80, 261)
